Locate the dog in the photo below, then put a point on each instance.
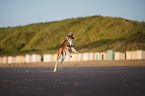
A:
(65, 48)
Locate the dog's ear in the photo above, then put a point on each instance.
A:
(71, 34)
(66, 37)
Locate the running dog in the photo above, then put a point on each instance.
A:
(65, 48)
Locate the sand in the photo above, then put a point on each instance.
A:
(73, 81)
(81, 64)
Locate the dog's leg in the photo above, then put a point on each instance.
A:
(56, 62)
(63, 57)
(68, 53)
(74, 50)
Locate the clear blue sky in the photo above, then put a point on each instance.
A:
(23, 12)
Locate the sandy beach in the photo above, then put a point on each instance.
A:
(80, 64)
(73, 81)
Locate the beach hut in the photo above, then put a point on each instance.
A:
(66, 58)
(143, 54)
(122, 57)
(36, 58)
(73, 58)
(91, 56)
(5, 60)
(110, 55)
(85, 57)
(11, 59)
(97, 56)
(47, 58)
(119, 56)
(54, 57)
(28, 58)
(128, 55)
(80, 56)
(133, 55)
(20, 59)
(1, 60)
(140, 54)
(17, 59)
(103, 56)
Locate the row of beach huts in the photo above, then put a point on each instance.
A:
(87, 56)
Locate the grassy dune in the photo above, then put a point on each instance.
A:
(95, 33)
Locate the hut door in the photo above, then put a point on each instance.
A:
(102, 56)
(97, 57)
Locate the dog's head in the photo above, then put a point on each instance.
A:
(70, 39)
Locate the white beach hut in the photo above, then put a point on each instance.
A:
(36, 58)
(28, 58)
(91, 56)
(85, 57)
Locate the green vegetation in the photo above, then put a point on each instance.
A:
(95, 33)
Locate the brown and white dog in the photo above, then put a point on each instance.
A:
(65, 48)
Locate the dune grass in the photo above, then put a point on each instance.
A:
(95, 33)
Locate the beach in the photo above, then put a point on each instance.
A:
(73, 81)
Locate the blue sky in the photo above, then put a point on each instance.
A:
(23, 12)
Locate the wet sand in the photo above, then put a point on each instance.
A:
(73, 81)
